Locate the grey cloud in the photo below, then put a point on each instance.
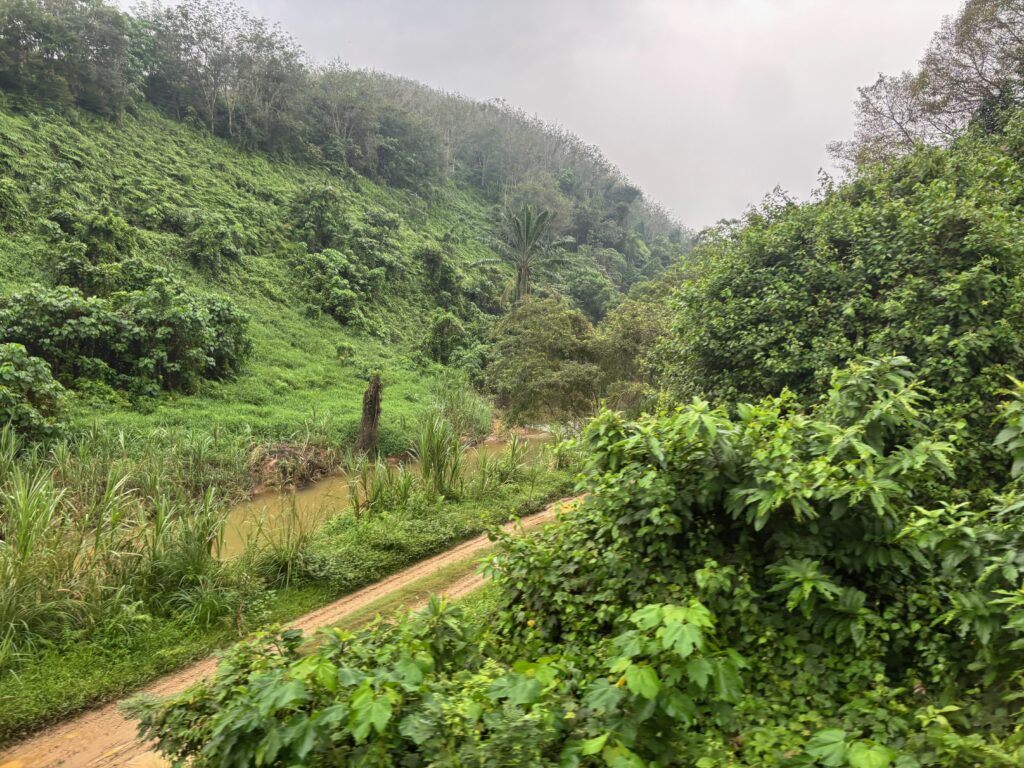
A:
(706, 104)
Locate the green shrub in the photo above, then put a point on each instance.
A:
(132, 273)
(445, 336)
(12, 207)
(155, 336)
(212, 242)
(106, 236)
(318, 218)
(339, 284)
(385, 695)
(30, 400)
(541, 364)
(921, 258)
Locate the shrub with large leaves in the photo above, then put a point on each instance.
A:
(30, 400)
(921, 258)
(865, 601)
(158, 335)
(421, 693)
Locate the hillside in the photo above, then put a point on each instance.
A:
(154, 174)
(163, 178)
(246, 236)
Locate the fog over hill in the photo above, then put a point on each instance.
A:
(707, 105)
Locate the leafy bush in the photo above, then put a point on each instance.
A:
(445, 336)
(339, 284)
(30, 400)
(541, 364)
(12, 207)
(105, 235)
(922, 259)
(318, 217)
(592, 291)
(103, 278)
(444, 280)
(157, 336)
(867, 605)
(423, 669)
(212, 242)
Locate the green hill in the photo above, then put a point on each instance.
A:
(154, 173)
(245, 236)
(162, 181)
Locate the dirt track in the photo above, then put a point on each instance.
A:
(104, 738)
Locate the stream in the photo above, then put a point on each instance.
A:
(281, 512)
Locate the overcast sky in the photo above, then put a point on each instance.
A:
(706, 104)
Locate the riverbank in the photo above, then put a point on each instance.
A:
(97, 664)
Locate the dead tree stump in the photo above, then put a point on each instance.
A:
(366, 442)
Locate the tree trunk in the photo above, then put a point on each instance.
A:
(367, 440)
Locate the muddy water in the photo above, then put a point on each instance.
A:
(275, 515)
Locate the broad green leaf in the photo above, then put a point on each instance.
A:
(699, 671)
(829, 746)
(864, 755)
(518, 689)
(683, 638)
(643, 681)
(603, 696)
(726, 679)
(647, 617)
(594, 745)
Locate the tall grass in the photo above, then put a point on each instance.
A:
(107, 526)
(376, 486)
(454, 400)
(442, 457)
(79, 541)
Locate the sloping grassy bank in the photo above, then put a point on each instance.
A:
(88, 667)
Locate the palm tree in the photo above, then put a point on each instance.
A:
(525, 244)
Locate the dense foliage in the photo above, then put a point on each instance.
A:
(769, 588)
(245, 79)
(922, 258)
(542, 362)
(30, 400)
(154, 336)
(816, 561)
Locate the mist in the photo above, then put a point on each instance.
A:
(707, 105)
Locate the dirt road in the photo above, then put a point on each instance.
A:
(104, 738)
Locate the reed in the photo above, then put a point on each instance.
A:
(454, 400)
(87, 530)
(441, 456)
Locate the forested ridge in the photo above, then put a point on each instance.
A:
(800, 440)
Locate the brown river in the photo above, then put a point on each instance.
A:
(279, 513)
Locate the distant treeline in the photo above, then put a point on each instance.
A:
(212, 63)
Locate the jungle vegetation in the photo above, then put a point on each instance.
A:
(801, 543)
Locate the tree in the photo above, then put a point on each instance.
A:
(542, 364)
(526, 245)
(972, 71)
(920, 257)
